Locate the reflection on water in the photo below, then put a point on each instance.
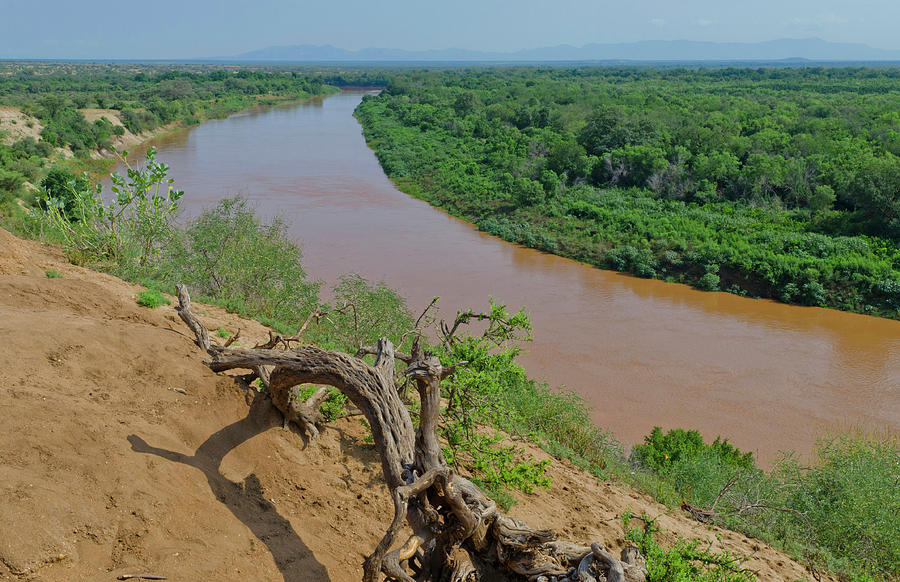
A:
(768, 376)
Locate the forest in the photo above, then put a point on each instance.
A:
(781, 183)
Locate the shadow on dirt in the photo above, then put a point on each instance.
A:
(246, 500)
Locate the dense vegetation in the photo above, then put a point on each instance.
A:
(146, 98)
(836, 512)
(781, 183)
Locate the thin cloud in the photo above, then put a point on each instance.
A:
(820, 19)
(657, 21)
(830, 18)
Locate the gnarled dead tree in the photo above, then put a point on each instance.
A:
(458, 532)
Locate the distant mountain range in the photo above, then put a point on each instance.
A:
(655, 50)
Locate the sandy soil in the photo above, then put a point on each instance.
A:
(104, 470)
(16, 125)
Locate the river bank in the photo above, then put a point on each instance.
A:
(140, 478)
(768, 376)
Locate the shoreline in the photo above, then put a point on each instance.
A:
(100, 163)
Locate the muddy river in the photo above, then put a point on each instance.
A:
(770, 377)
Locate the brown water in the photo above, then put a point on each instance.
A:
(768, 376)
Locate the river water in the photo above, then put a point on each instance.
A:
(768, 376)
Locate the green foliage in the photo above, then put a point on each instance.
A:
(366, 311)
(770, 174)
(152, 298)
(230, 256)
(838, 513)
(223, 333)
(850, 498)
(495, 467)
(63, 186)
(686, 561)
(333, 406)
(53, 274)
(708, 282)
(475, 398)
(697, 471)
(126, 234)
(660, 452)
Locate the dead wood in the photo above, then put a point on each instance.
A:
(458, 530)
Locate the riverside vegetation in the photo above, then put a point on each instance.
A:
(146, 98)
(836, 513)
(773, 182)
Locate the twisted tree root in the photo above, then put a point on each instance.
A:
(459, 533)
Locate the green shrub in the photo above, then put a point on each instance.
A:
(851, 499)
(63, 186)
(228, 255)
(686, 560)
(661, 452)
(127, 235)
(53, 274)
(708, 282)
(698, 471)
(152, 298)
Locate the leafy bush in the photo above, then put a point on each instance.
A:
(233, 258)
(63, 186)
(127, 235)
(697, 470)
(838, 513)
(708, 282)
(661, 452)
(53, 274)
(364, 312)
(850, 498)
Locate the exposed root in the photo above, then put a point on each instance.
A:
(459, 533)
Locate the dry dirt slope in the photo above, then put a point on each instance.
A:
(105, 471)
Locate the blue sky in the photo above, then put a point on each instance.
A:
(206, 28)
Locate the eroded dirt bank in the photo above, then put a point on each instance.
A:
(104, 470)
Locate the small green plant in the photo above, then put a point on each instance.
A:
(495, 467)
(368, 438)
(152, 298)
(686, 561)
(223, 333)
(53, 274)
(333, 406)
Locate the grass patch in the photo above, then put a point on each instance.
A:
(53, 274)
(152, 298)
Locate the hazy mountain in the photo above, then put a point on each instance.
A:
(661, 50)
